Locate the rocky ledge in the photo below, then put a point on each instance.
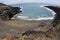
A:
(7, 11)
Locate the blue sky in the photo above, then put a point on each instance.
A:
(57, 2)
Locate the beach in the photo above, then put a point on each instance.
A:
(19, 26)
(32, 28)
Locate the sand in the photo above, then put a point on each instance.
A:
(18, 27)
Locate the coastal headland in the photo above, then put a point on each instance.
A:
(14, 29)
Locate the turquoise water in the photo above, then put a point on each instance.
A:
(33, 9)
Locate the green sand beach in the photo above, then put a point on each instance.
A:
(15, 28)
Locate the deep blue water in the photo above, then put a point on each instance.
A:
(33, 9)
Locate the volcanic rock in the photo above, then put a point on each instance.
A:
(7, 11)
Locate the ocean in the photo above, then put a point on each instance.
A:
(34, 11)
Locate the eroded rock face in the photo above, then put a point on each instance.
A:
(7, 12)
(57, 16)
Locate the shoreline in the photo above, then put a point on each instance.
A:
(31, 18)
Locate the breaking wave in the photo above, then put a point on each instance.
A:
(53, 13)
(33, 18)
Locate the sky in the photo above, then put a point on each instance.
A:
(54, 2)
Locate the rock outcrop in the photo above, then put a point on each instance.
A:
(57, 16)
(7, 12)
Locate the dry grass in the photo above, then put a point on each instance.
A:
(56, 28)
(37, 36)
(8, 37)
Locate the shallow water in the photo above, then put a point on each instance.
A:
(34, 11)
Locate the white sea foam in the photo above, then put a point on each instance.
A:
(43, 5)
(34, 18)
(49, 10)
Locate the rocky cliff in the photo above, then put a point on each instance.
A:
(7, 11)
(57, 16)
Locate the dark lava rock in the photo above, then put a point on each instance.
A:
(7, 12)
(57, 16)
(31, 32)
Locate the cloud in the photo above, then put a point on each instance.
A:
(57, 2)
